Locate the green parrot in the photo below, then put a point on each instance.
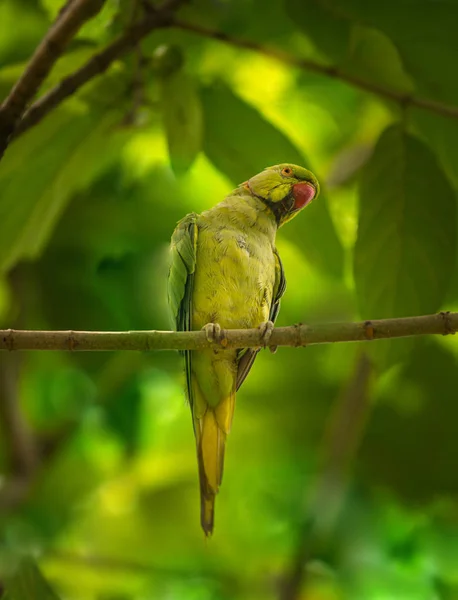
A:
(225, 272)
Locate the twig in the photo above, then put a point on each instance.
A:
(340, 443)
(296, 335)
(97, 64)
(330, 71)
(65, 27)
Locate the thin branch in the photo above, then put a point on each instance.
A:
(404, 99)
(98, 64)
(64, 28)
(443, 323)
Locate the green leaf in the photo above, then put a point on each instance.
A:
(41, 171)
(349, 43)
(441, 133)
(240, 143)
(182, 118)
(27, 582)
(329, 31)
(405, 250)
(424, 33)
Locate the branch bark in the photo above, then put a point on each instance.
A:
(443, 323)
(68, 22)
(97, 64)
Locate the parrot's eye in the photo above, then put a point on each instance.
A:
(287, 172)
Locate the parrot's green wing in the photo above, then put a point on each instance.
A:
(248, 355)
(181, 281)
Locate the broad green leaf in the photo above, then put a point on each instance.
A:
(441, 132)
(241, 143)
(238, 140)
(41, 171)
(405, 250)
(349, 43)
(182, 119)
(28, 583)
(329, 31)
(424, 33)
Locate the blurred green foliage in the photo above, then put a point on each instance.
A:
(352, 484)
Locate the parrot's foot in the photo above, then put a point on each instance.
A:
(266, 332)
(215, 334)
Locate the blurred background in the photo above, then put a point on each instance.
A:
(341, 470)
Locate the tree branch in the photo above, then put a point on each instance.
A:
(163, 17)
(64, 28)
(330, 71)
(97, 64)
(443, 323)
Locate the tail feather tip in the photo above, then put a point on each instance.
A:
(207, 516)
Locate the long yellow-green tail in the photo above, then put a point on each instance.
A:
(211, 427)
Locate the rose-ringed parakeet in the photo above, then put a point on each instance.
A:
(226, 272)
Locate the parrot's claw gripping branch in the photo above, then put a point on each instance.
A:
(266, 333)
(215, 334)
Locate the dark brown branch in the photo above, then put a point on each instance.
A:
(65, 27)
(329, 71)
(98, 64)
(297, 335)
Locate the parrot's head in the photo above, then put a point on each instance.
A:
(286, 189)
